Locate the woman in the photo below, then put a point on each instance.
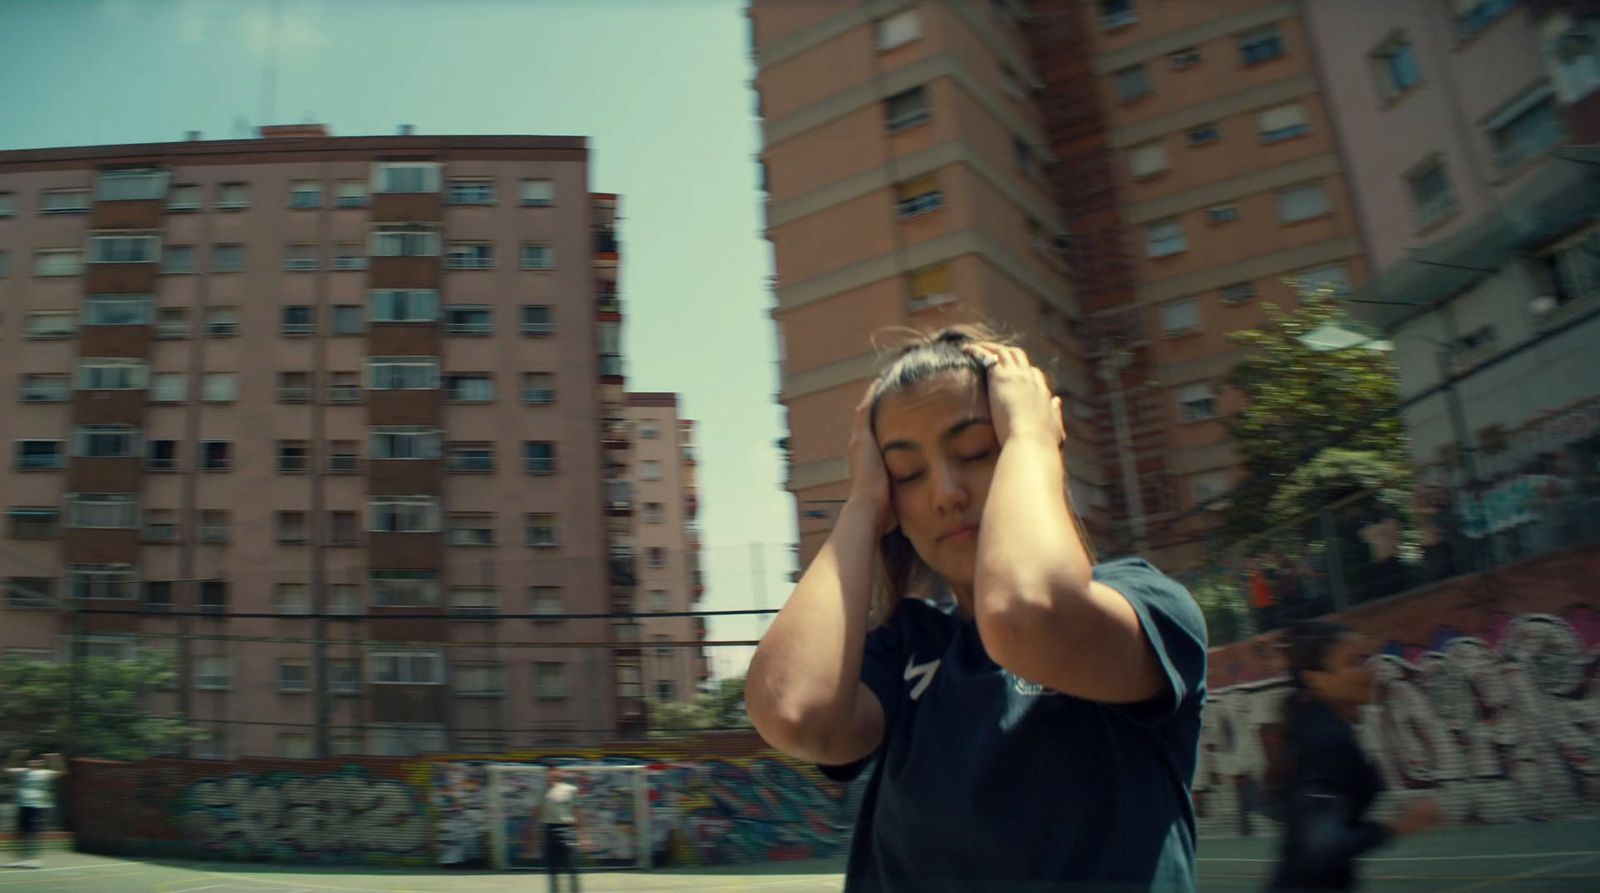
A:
(1319, 773)
(1040, 735)
(35, 780)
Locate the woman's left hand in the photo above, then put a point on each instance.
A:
(1020, 401)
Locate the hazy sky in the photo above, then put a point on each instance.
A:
(660, 87)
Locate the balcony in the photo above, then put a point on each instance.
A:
(606, 300)
(614, 435)
(605, 241)
(610, 365)
(619, 497)
(624, 570)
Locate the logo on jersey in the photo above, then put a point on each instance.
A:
(922, 673)
(1031, 689)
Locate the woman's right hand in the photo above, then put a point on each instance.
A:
(1417, 816)
(869, 479)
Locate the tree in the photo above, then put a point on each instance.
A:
(113, 719)
(720, 708)
(1317, 425)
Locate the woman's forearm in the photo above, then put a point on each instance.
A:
(1029, 552)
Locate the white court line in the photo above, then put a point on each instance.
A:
(22, 873)
(1532, 872)
(1479, 856)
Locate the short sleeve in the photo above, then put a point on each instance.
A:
(882, 671)
(1172, 624)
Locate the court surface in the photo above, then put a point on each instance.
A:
(1548, 858)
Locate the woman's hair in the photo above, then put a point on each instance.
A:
(1306, 646)
(921, 357)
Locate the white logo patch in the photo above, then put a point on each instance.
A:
(923, 673)
(1031, 689)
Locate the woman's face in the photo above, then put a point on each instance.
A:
(1347, 678)
(940, 449)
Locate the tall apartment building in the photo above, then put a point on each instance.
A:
(666, 541)
(305, 374)
(903, 163)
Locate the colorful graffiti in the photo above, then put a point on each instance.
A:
(283, 816)
(1504, 726)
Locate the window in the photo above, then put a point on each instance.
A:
(406, 178)
(300, 256)
(658, 601)
(538, 456)
(538, 319)
(656, 557)
(1394, 67)
(650, 470)
(211, 671)
(293, 745)
(48, 325)
(654, 513)
(404, 589)
(905, 110)
(1132, 83)
(112, 375)
(46, 388)
(294, 387)
(404, 305)
(469, 387)
(538, 193)
(471, 529)
(40, 455)
(1528, 127)
(344, 529)
(184, 197)
(64, 201)
(222, 322)
(1188, 57)
(297, 320)
(1473, 16)
(227, 258)
(294, 457)
(1260, 45)
(538, 388)
(477, 680)
(8, 204)
(131, 185)
(1165, 237)
(169, 387)
(664, 686)
(157, 595)
(403, 514)
(1147, 160)
(219, 387)
(550, 680)
(918, 196)
(160, 526)
(305, 194)
(470, 191)
(468, 319)
(58, 262)
(172, 322)
(102, 581)
(404, 443)
(1571, 269)
(1302, 203)
(350, 194)
(1196, 402)
(1219, 214)
(544, 600)
(899, 29)
(344, 387)
(406, 666)
(1432, 198)
(1208, 485)
(233, 196)
(930, 287)
(124, 249)
(105, 441)
(649, 431)
(349, 256)
(1282, 122)
(213, 526)
(346, 319)
(291, 527)
(469, 458)
(117, 511)
(395, 240)
(291, 598)
(469, 256)
(161, 455)
(213, 596)
(343, 457)
(538, 256)
(216, 455)
(1179, 317)
(1333, 280)
(177, 259)
(543, 530)
(402, 373)
(1238, 292)
(30, 523)
(344, 676)
(1204, 134)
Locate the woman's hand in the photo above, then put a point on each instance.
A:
(1020, 401)
(869, 479)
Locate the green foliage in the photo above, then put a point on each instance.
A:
(1316, 425)
(1227, 612)
(720, 708)
(113, 718)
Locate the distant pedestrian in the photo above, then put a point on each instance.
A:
(1323, 781)
(34, 779)
(560, 821)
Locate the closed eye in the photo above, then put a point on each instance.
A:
(908, 478)
(977, 457)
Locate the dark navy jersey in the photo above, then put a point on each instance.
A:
(988, 782)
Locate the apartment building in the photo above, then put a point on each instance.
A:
(666, 542)
(905, 171)
(299, 374)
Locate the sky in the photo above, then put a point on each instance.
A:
(660, 87)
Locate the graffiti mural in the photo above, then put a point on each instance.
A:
(1499, 727)
(459, 801)
(346, 816)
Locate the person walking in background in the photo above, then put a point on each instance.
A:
(1040, 733)
(1323, 781)
(35, 780)
(560, 821)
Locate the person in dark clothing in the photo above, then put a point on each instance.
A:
(1323, 781)
(560, 820)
